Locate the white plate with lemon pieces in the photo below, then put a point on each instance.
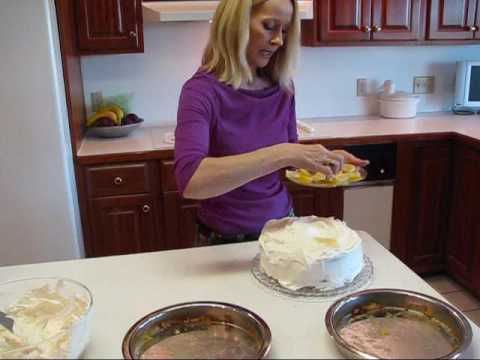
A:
(349, 175)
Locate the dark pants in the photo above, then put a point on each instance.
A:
(207, 236)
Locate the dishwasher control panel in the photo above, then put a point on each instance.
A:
(382, 157)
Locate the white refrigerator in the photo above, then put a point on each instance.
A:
(39, 216)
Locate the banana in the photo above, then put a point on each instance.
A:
(117, 110)
(109, 114)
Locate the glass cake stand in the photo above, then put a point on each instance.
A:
(314, 293)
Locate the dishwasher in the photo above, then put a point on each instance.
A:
(368, 204)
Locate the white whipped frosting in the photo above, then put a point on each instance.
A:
(310, 251)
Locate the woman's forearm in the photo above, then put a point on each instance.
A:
(217, 176)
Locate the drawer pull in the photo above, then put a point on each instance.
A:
(367, 29)
(377, 28)
(146, 209)
(473, 28)
(118, 180)
(132, 34)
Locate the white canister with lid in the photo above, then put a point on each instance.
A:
(397, 104)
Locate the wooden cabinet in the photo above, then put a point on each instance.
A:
(180, 217)
(364, 21)
(180, 221)
(109, 26)
(453, 20)
(122, 208)
(320, 202)
(123, 225)
(463, 254)
(477, 23)
(421, 204)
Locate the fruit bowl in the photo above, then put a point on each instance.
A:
(51, 318)
(114, 131)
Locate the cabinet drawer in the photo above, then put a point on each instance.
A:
(169, 183)
(118, 179)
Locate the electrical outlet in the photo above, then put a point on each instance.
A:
(423, 84)
(362, 87)
(97, 100)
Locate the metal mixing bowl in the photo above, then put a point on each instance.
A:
(206, 329)
(434, 309)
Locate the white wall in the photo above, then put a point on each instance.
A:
(39, 218)
(325, 81)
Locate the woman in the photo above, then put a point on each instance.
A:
(236, 125)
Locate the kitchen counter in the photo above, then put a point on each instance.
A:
(126, 288)
(152, 139)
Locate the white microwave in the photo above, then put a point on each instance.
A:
(467, 84)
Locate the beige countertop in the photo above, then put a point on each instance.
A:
(126, 288)
(151, 139)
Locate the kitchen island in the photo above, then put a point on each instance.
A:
(125, 288)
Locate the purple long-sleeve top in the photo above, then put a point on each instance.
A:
(215, 120)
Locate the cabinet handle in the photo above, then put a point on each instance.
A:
(118, 180)
(377, 28)
(132, 34)
(367, 29)
(473, 28)
(146, 209)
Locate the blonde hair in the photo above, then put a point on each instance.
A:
(226, 51)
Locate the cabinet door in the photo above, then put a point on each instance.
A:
(344, 20)
(397, 20)
(109, 26)
(303, 199)
(320, 202)
(477, 23)
(430, 211)
(463, 258)
(451, 19)
(123, 225)
(180, 221)
(421, 204)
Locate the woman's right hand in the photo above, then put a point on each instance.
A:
(315, 158)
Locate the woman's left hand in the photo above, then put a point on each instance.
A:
(351, 159)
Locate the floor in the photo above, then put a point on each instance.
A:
(457, 295)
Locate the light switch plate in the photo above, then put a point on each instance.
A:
(423, 84)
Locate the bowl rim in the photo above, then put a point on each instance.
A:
(72, 281)
(127, 354)
(118, 126)
(332, 331)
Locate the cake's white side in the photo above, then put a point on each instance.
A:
(310, 251)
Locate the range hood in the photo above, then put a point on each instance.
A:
(160, 11)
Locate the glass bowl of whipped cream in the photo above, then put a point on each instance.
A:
(44, 318)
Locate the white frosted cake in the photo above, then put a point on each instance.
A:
(310, 252)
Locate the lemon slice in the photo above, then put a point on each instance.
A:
(318, 177)
(348, 168)
(356, 176)
(304, 172)
(342, 178)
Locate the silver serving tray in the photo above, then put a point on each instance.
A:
(201, 330)
(392, 323)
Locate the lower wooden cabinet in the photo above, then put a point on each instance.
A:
(421, 204)
(320, 202)
(463, 249)
(179, 221)
(123, 225)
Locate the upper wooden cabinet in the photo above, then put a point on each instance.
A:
(109, 26)
(364, 20)
(453, 20)
(477, 23)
